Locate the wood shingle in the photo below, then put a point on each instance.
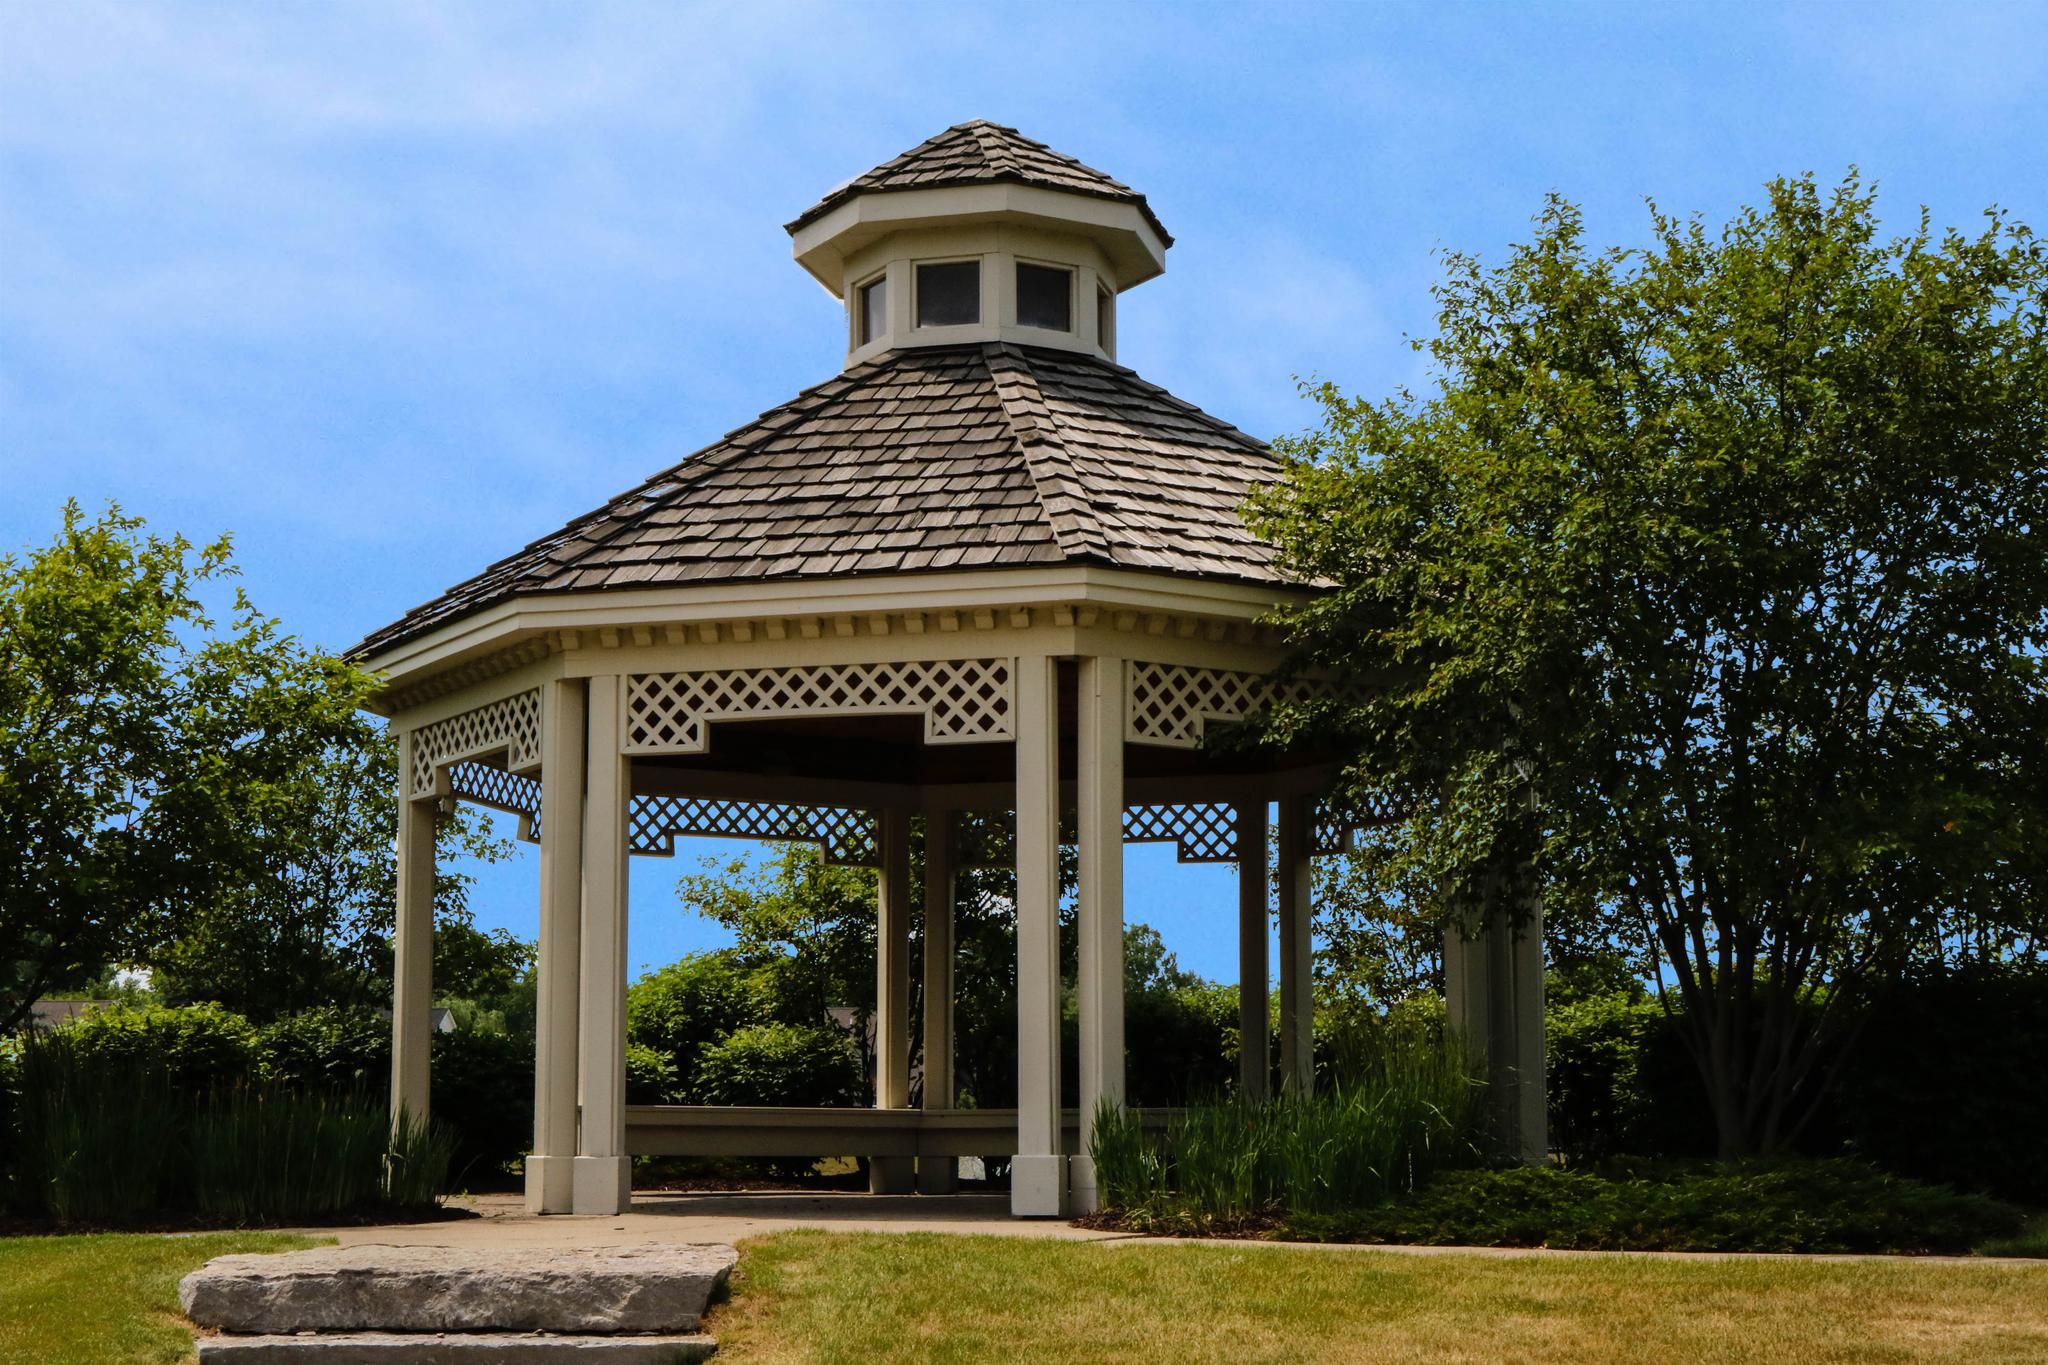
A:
(977, 456)
(982, 153)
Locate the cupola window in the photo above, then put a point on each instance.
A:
(1045, 297)
(949, 294)
(872, 307)
(1105, 321)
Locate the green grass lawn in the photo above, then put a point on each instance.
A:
(814, 1296)
(108, 1299)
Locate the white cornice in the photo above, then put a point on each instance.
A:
(522, 628)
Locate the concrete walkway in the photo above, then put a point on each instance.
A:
(504, 1222)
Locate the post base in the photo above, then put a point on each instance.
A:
(550, 1184)
(891, 1175)
(1038, 1186)
(602, 1185)
(1083, 1195)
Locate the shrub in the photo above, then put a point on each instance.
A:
(650, 1076)
(799, 1064)
(1837, 1205)
(332, 1048)
(483, 1090)
(1401, 1114)
(1591, 1050)
(1183, 1042)
(1944, 1083)
(198, 1047)
(689, 1005)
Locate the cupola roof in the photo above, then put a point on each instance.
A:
(982, 153)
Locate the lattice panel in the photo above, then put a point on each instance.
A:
(1329, 835)
(1171, 704)
(1202, 834)
(847, 837)
(964, 701)
(511, 727)
(500, 790)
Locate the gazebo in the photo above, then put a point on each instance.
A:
(982, 569)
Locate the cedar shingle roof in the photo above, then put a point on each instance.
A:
(983, 153)
(958, 457)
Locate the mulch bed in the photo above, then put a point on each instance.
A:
(1250, 1227)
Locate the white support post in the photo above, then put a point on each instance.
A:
(1254, 1020)
(1100, 816)
(938, 1174)
(1493, 993)
(550, 1166)
(412, 951)
(1297, 958)
(892, 1174)
(1038, 1174)
(603, 1180)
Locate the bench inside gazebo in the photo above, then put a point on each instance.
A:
(984, 570)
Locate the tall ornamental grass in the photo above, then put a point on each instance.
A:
(110, 1140)
(1385, 1125)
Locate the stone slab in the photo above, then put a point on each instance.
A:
(389, 1348)
(377, 1288)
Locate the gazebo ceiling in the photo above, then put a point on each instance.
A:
(986, 456)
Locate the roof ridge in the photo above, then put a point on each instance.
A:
(1076, 528)
(982, 151)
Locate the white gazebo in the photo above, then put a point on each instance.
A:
(982, 569)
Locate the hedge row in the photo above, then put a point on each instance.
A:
(482, 1082)
(1937, 1086)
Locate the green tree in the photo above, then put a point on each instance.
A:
(1713, 580)
(307, 919)
(139, 739)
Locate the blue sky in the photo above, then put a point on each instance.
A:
(387, 290)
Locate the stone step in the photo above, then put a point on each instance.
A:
(580, 1291)
(481, 1348)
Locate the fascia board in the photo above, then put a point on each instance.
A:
(1125, 589)
(821, 247)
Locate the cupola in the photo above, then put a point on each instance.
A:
(976, 235)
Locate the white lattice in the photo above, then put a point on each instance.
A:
(1201, 833)
(964, 701)
(500, 790)
(846, 836)
(1170, 704)
(510, 727)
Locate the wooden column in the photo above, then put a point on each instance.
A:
(1038, 1174)
(1493, 993)
(1254, 1018)
(892, 1174)
(938, 1174)
(1100, 816)
(412, 952)
(549, 1167)
(1297, 960)
(603, 1179)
